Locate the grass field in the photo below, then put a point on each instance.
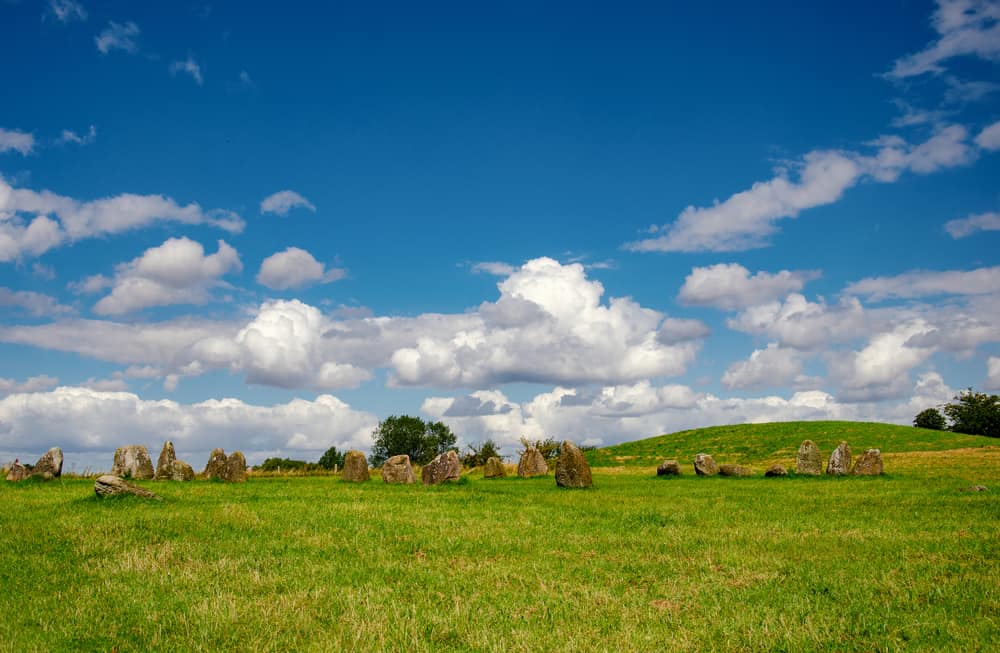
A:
(901, 562)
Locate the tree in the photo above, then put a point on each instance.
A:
(332, 458)
(479, 454)
(930, 418)
(975, 413)
(419, 440)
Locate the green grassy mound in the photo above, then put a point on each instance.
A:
(779, 442)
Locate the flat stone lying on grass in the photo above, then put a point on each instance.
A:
(532, 463)
(975, 488)
(216, 465)
(17, 472)
(572, 469)
(110, 486)
(840, 460)
(809, 461)
(398, 469)
(727, 469)
(133, 461)
(50, 464)
(869, 464)
(444, 467)
(668, 468)
(494, 468)
(776, 470)
(704, 465)
(355, 467)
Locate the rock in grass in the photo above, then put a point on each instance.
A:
(809, 460)
(165, 463)
(132, 461)
(494, 468)
(355, 467)
(235, 470)
(50, 464)
(110, 486)
(17, 472)
(727, 469)
(532, 463)
(840, 460)
(704, 465)
(869, 464)
(180, 471)
(669, 468)
(776, 470)
(444, 467)
(216, 465)
(572, 469)
(971, 488)
(398, 469)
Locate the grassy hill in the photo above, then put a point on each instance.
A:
(779, 442)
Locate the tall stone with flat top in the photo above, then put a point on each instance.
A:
(445, 467)
(355, 467)
(809, 461)
(132, 461)
(840, 460)
(398, 470)
(235, 470)
(572, 469)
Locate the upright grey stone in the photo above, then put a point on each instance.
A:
(165, 463)
(17, 472)
(444, 467)
(840, 460)
(397, 469)
(180, 471)
(132, 461)
(532, 463)
(494, 468)
(869, 464)
(704, 465)
(809, 461)
(572, 469)
(355, 467)
(235, 470)
(50, 464)
(216, 465)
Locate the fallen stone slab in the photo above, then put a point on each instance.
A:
(727, 469)
(111, 486)
(668, 468)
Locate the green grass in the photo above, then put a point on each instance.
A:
(901, 562)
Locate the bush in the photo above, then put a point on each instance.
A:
(548, 447)
(332, 458)
(419, 440)
(479, 454)
(283, 465)
(975, 413)
(930, 419)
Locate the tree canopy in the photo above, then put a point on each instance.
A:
(402, 434)
(974, 413)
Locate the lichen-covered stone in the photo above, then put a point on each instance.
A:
(132, 461)
(444, 467)
(50, 464)
(572, 469)
(704, 465)
(17, 472)
(809, 460)
(868, 464)
(397, 469)
(355, 467)
(216, 465)
(180, 471)
(109, 486)
(840, 460)
(235, 470)
(776, 470)
(727, 469)
(532, 463)
(494, 468)
(668, 468)
(971, 488)
(165, 463)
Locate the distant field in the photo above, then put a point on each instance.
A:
(902, 562)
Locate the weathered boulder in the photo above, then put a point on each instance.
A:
(216, 465)
(776, 470)
(532, 463)
(840, 460)
(398, 469)
(50, 464)
(179, 471)
(165, 463)
(572, 469)
(704, 465)
(669, 468)
(971, 488)
(444, 467)
(727, 469)
(235, 470)
(809, 460)
(355, 467)
(132, 461)
(869, 464)
(17, 472)
(109, 486)
(494, 468)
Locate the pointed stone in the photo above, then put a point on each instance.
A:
(840, 460)
(355, 467)
(17, 472)
(50, 464)
(572, 469)
(165, 463)
(398, 469)
(704, 465)
(235, 470)
(132, 461)
(532, 463)
(809, 461)
(216, 465)
(444, 467)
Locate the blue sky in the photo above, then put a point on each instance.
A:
(266, 228)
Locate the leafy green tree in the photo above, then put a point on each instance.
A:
(975, 413)
(480, 453)
(331, 458)
(282, 464)
(420, 440)
(930, 418)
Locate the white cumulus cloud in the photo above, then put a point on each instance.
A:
(295, 268)
(989, 138)
(965, 28)
(33, 303)
(32, 384)
(923, 283)
(963, 227)
(772, 366)
(730, 286)
(284, 201)
(16, 140)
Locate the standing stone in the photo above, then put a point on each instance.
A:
(109, 486)
(50, 464)
(840, 460)
(165, 464)
(572, 469)
(17, 472)
(355, 467)
(532, 463)
(235, 470)
(776, 470)
(445, 467)
(181, 471)
(704, 465)
(869, 464)
(216, 465)
(132, 461)
(398, 469)
(669, 468)
(494, 468)
(809, 462)
(734, 470)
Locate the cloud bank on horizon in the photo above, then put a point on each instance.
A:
(433, 250)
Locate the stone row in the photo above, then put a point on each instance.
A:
(808, 462)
